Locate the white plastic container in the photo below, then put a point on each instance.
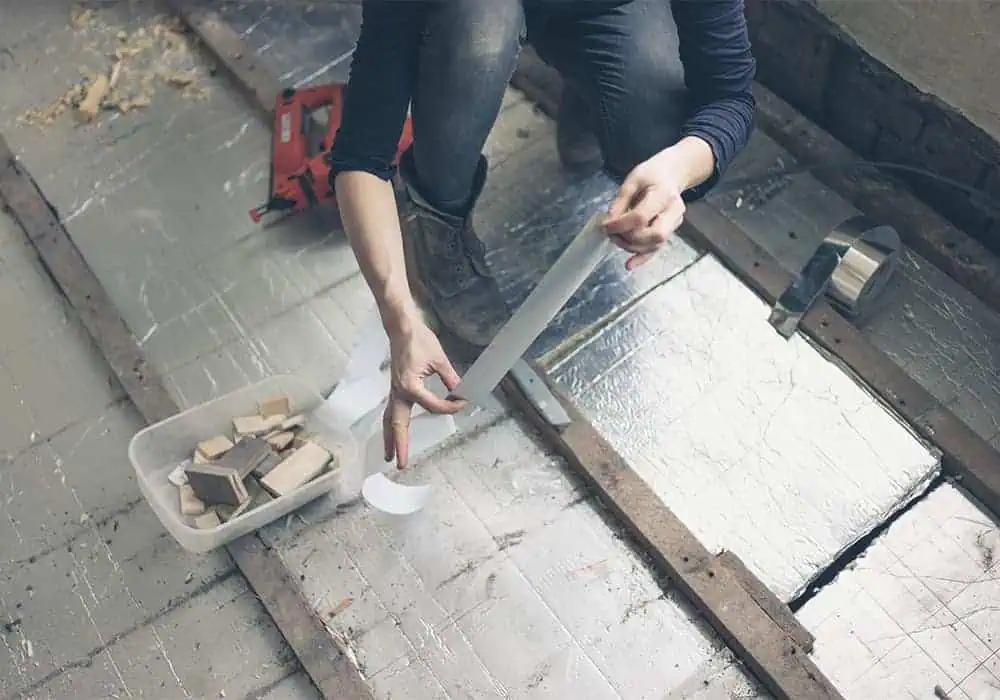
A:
(156, 450)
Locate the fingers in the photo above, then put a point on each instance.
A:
(626, 193)
(650, 203)
(647, 240)
(396, 430)
(650, 237)
(388, 441)
(638, 260)
(449, 377)
(412, 388)
(435, 404)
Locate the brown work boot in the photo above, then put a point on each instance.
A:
(446, 265)
(576, 141)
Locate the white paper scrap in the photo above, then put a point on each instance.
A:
(427, 430)
(389, 497)
(564, 277)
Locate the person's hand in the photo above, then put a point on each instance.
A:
(415, 355)
(649, 207)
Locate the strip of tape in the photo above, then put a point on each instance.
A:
(577, 262)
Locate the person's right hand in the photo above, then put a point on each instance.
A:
(415, 354)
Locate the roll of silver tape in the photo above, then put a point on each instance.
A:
(851, 266)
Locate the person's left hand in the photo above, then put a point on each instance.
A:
(649, 208)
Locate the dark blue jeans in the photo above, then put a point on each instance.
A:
(621, 56)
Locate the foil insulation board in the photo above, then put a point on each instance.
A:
(916, 615)
(761, 446)
(509, 584)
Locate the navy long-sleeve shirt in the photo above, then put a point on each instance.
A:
(714, 47)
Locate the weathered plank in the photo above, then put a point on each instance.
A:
(326, 662)
(767, 600)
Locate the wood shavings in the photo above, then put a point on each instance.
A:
(172, 35)
(47, 115)
(341, 607)
(179, 78)
(127, 105)
(80, 17)
(134, 62)
(93, 99)
(196, 93)
(116, 74)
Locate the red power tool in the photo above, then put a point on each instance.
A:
(300, 179)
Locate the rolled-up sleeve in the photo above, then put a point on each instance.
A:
(719, 69)
(378, 91)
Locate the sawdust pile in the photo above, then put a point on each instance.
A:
(123, 69)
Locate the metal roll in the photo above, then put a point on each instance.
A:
(851, 266)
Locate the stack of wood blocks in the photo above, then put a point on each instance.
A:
(269, 455)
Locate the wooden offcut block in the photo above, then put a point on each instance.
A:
(256, 425)
(209, 520)
(177, 477)
(268, 465)
(295, 422)
(245, 456)
(302, 438)
(280, 441)
(257, 498)
(215, 447)
(274, 406)
(302, 466)
(228, 512)
(215, 485)
(190, 504)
